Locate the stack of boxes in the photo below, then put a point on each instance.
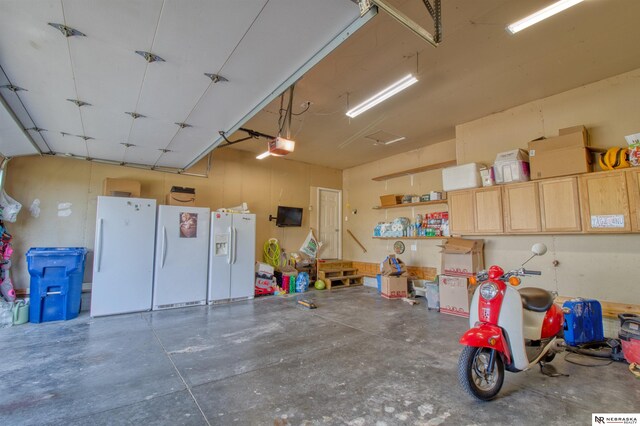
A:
(563, 155)
(461, 259)
(394, 275)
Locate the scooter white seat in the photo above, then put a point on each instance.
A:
(535, 299)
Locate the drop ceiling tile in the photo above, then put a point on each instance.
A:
(106, 150)
(105, 125)
(33, 54)
(107, 76)
(123, 24)
(52, 112)
(173, 88)
(142, 155)
(66, 144)
(175, 160)
(270, 43)
(170, 91)
(152, 133)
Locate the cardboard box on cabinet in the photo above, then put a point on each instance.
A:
(511, 166)
(562, 155)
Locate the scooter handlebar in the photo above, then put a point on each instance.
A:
(528, 272)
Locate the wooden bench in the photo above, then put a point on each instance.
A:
(338, 273)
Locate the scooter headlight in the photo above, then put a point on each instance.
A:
(488, 291)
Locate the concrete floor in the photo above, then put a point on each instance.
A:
(356, 360)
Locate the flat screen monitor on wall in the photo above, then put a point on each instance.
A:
(289, 216)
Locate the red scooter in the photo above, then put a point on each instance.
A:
(510, 329)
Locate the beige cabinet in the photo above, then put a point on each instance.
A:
(605, 202)
(559, 205)
(488, 210)
(461, 212)
(633, 185)
(521, 208)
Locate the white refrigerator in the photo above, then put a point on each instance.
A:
(232, 257)
(123, 255)
(182, 256)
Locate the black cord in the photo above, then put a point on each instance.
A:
(582, 356)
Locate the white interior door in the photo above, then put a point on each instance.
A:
(329, 224)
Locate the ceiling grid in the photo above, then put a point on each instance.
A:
(252, 47)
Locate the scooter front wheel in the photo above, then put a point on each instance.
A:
(476, 374)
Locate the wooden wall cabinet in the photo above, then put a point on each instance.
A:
(559, 205)
(605, 202)
(461, 212)
(633, 185)
(488, 210)
(602, 202)
(521, 208)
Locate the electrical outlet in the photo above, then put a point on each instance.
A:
(414, 247)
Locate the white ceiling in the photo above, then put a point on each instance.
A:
(256, 44)
(477, 70)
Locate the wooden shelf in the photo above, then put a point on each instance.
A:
(410, 238)
(423, 203)
(416, 170)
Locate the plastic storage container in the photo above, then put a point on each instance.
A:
(583, 323)
(630, 337)
(461, 177)
(56, 282)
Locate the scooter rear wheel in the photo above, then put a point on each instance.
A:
(474, 375)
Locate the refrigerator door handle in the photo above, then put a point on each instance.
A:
(99, 245)
(230, 246)
(164, 246)
(235, 244)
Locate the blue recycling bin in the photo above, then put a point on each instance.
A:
(56, 282)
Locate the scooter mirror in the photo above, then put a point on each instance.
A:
(538, 249)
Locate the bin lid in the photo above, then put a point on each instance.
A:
(56, 251)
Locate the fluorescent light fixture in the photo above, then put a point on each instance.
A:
(396, 87)
(398, 139)
(263, 155)
(541, 15)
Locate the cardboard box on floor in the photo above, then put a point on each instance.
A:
(562, 155)
(394, 287)
(455, 295)
(462, 257)
(393, 266)
(121, 188)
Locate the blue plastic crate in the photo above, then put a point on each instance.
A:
(56, 282)
(583, 322)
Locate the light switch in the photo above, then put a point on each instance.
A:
(414, 247)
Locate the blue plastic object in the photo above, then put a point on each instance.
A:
(583, 323)
(379, 279)
(56, 282)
